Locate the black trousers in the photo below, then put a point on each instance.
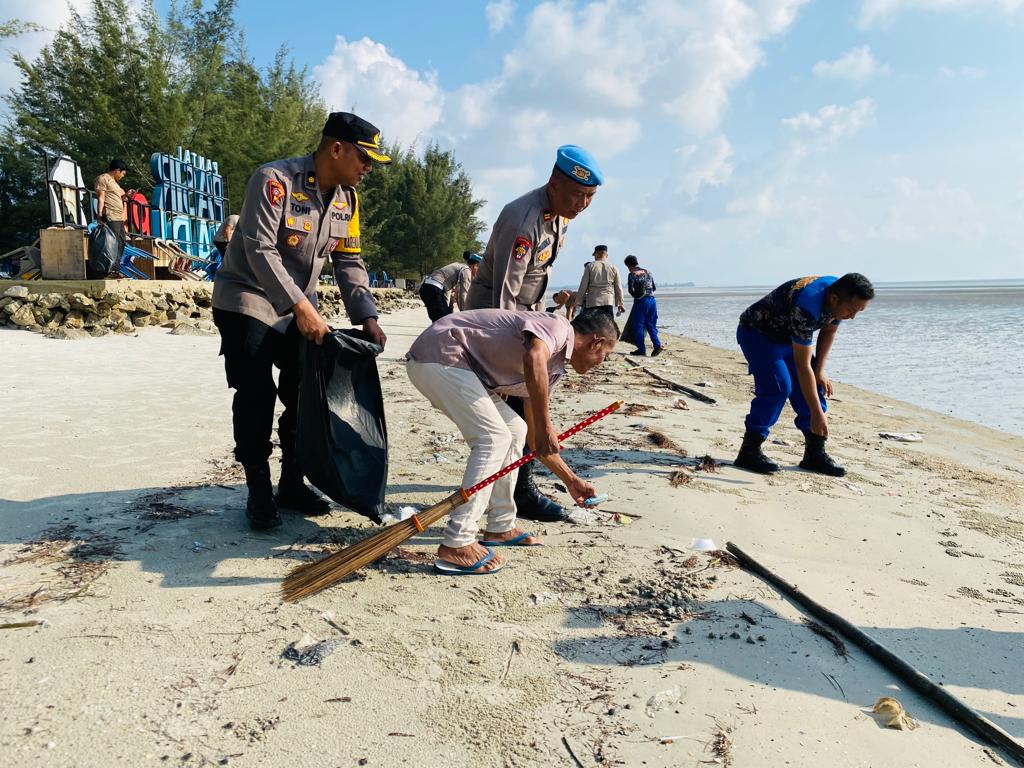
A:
(434, 301)
(118, 228)
(251, 350)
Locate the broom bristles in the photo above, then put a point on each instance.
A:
(309, 578)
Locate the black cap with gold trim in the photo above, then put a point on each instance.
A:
(345, 126)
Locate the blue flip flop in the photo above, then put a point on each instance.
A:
(454, 569)
(513, 542)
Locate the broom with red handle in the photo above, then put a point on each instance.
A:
(308, 579)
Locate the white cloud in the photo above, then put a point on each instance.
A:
(857, 65)
(873, 11)
(363, 76)
(499, 15)
(833, 122)
(919, 212)
(963, 73)
(706, 164)
(50, 14)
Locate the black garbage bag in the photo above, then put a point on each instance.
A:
(104, 252)
(342, 439)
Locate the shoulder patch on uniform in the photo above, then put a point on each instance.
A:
(521, 248)
(275, 192)
(803, 282)
(301, 197)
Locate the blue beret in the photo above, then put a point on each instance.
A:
(471, 257)
(579, 165)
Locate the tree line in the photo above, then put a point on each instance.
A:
(122, 81)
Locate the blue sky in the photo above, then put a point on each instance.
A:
(743, 142)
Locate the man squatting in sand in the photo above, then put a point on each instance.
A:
(296, 213)
(776, 334)
(466, 364)
(525, 241)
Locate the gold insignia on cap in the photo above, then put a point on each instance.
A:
(580, 172)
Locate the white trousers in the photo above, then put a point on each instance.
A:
(495, 434)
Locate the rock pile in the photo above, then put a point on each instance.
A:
(74, 310)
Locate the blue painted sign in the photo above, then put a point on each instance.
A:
(189, 200)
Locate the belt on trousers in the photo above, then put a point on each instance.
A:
(433, 282)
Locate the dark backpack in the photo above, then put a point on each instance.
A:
(104, 252)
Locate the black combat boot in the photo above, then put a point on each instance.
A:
(752, 458)
(260, 507)
(295, 495)
(816, 460)
(531, 504)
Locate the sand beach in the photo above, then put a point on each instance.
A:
(162, 639)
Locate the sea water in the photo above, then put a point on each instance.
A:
(956, 348)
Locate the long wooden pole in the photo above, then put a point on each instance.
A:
(938, 695)
(674, 384)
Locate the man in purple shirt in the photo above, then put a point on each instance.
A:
(467, 364)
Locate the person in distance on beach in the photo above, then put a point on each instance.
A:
(776, 334)
(449, 285)
(643, 317)
(600, 288)
(564, 300)
(466, 365)
(525, 241)
(296, 213)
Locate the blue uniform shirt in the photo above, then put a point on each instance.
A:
(792, 312)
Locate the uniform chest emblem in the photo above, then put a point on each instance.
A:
(275, 192)
(548, 215)
(544, 257)
(307, 225)
(521, 248)
(300, 197)
(293, 240)
(340, 204)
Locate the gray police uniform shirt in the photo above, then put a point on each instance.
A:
(221, 235)
(600, 286)
(285, 231)
(524, 244)
(447, 277)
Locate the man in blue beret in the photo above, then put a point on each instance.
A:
(525, 241)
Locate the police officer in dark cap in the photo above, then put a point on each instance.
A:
(296, 213)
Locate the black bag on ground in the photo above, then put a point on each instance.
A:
(342, 438)
(104, 252)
